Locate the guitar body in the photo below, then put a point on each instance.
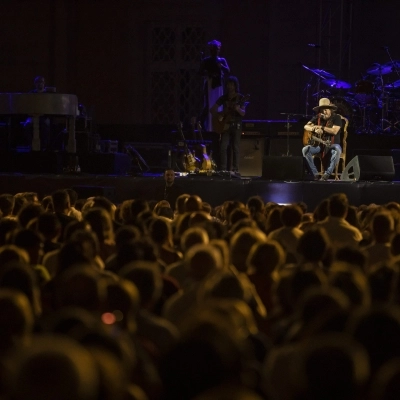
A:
(307, 138)
(205, 159)
(218, 122)
(213, 163)
(189, 160)
(206, 162)
(314, 139)
(222, 119)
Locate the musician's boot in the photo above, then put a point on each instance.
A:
(325, 177)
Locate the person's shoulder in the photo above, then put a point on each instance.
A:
(337, 119)
(65, 218)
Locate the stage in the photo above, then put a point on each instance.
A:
(213, 189)
(265, 171)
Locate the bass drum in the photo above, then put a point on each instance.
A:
(365, 93)
(346, 106)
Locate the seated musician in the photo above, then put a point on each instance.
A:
(323, 135)
(234, 109)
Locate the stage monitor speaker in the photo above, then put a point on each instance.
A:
(369, 168)
(251, 155)
(283, 168)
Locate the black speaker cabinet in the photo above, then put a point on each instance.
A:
(251, 155)
(283, 168)
(105, 163)
(285, 145)
(37, 162)
(156, 156)
(369, 168)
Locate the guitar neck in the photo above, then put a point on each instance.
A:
(317, 139)
(199, 131)
(180, 130)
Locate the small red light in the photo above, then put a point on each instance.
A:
(108, 318)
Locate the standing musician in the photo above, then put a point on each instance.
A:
(322, 134)
(234, 109)
(213, 68)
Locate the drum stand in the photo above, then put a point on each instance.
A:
(288, 133)
(384, 107)
(367, 126)
(387, 124)
(392, 126)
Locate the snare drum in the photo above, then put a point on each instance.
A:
(364, 92)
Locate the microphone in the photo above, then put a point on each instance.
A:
(321, 115)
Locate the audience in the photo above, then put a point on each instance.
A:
(254, 300)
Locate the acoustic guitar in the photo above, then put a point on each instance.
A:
(189, 160)
(222, 119)
(314, 139)
(206, 161)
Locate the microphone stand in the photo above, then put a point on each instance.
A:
(394, 65)
(288, 126)
(307, 93)
(287, 135)
(384, 97)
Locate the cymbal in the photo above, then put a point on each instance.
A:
(393, 85)
(336, 83)
(379, 69)
(320, 72)
(393, 65)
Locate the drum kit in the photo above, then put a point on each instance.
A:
(372, 104)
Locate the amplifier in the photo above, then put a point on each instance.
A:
(109, 146)
(289, 134)
(272, 127)
(253, 133)
(280, 128)
(154, 156)
(257, 126)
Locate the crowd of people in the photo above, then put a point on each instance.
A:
(147, 300)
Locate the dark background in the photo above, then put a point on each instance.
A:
(101, 50)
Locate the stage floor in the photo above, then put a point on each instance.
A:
(213, 189)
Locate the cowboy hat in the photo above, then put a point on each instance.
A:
(325, 103)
